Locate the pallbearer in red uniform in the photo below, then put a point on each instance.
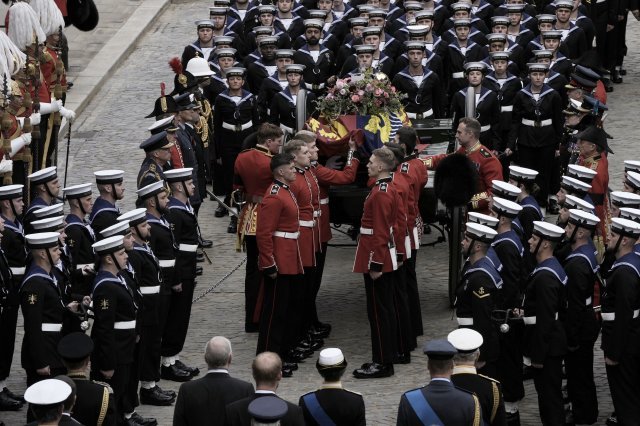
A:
(489, 168)
(279, 260)
(376, 259)
(252, 177)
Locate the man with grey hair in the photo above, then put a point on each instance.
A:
(203, 401)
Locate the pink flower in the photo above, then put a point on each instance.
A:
(339, 84)
(386, 95)
(330, 96)
(355, 98)
(369, 87)
(378, 92)
(393, 89)
(361, 92)
(343, 92)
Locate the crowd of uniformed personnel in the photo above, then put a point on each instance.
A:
(531, 289)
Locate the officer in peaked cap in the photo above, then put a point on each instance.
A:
(105, 212)
(157, 150)
(94, 400)
(477, 296)
(46, 399)
(620, 307)
(439, 402)
(465, 376)
(331, 400)
(544, 338)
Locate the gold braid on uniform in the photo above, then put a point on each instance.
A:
(496, 400)
(477, 198)
(203, 125)
(103, 406)
(476, 414)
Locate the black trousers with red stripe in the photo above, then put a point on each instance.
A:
(252, 281)
(382, 317)
(406, 337)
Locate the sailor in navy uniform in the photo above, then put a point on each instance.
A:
(353, 38)
(465, 375)
(519, 30)
(573, 186)
(266, 13)
(203, 46)
(398, 26)
(332, 403)
(222, 27)
(381, 62)
(573, 36)
(439, 402)
(364, 60)
(157, 150)
(111, 187)
(287, 20)
(263, 67)
(477, 30)
(114, 327)
(509, 250)
(477, 294)
(275, 83)
(45, 187)
(284, 103)
(435, 49)
(421, 84)
(316, 57)
(13, 257)
(184, 225)
(581, 324)
(545, 342)
(491, 222)
(498, 42)
(460, 51)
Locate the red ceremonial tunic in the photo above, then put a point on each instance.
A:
(308, 242)
(414, 168)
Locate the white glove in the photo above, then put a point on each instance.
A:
(35, 118)
(69, 114)
(46, 108)
(6, 166)
(18, 143)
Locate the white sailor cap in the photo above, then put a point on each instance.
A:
(263, 30)
(227, 52)
(135, 216)
(522, 174)
(49, 224)
(633, 179)
(104, 177)
(49, 211)
(412, 5)
(267, 8)
(480, 232)
(151, 189)
(625, 199)
(557, 34)
(217, 11)
(548, 231)
(42, 240)
(47, 392)
(499, 20)
(418, 30)
(218, 40)
(583, 173)
(45, 175)
(500, 55)
(461, 5)
(236, 71)
(504, 207)
(77, 191)
(499, 37)
(362, 49)
(121, 228)
(625, 227)
(542, 53)
(285, 53)
(483, 219)
(546, 17)
(204, 23)
(514, 8)
(505, 190)
(563, 4)
(358, 22)
(331, 357)
(378, 13)
(475, 66)
(9, 192)
(630, 213)
(583, 219)
(313, 23)
(461, 22)
(320, 14)
(632, 165)
(424, 14)
(414, 45)
(109, 245)
(367, 31)
(573, 202)
(294, 69)
(537, 67)
(179, 175)
(573, 185)
(465, 340)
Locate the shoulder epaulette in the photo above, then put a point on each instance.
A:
(354, 392)
(489, 378)
(105, 384)
(274, 189)
(485, 153)
(384, 186)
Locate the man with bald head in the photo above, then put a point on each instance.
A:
(203, 401)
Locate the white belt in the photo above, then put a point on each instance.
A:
(532, 123)
(588, 301)
(188, 247)
(317, 213)
(407, 246)
(324, 201)
(485, 128)
(457, 74)
(532, 320)
(47, 326)
(600, 1)
(366, 231)
(416, 237)
(150, 289)
(17, 271)
(314, 86)
(420, 115)
(237, 127)
(124, 325)
(308, 223)
(506, 108)
(465, 321)
(167, 263)
(81, 266)
(287, 235)
(287, 128)
(611, 316)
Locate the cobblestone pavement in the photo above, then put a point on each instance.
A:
(106, 135)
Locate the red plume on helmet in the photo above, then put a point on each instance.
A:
(176, 65)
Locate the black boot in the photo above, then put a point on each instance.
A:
(233, 225)
(220, 211)
(513, 419)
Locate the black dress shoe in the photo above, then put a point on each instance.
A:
(194, 371)
(199, 270)
(615, 77)
(233, 225)
(622, 71)
(12, 395)
(9, 404)
(403, 358)
(199, 257)
(513, 419)
(612, 420)
(312, 345)
(290, 366)
(206, 243)
(137, 419)
(374, 371)
(322, 327)
(155, 396)
(220, 211)
(287, 372)
(295, 356)
(167, 392)
(608, 85)
(317, 335)
(174, 373)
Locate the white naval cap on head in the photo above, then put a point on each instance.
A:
(135, 216)
(548, 231)
(465, 340)
(330, 357)
(483, 219)
(625, 199)
(47, 392)
(583, 219)
(45, 175)
(505, 189)
(179, 175)
(108, 176)
(52, 210)
(49, 224)
(631, 165)
(582, 173)
(480, 232)
(77, 191)
(505, 207)
(42, 240)
(574, 185)
(630, 213)
(625, 227)
(633, 180)
(9, 192)
(151, 189)
(108, 245)
(522, 174)
(121, 228)
(573, 202)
